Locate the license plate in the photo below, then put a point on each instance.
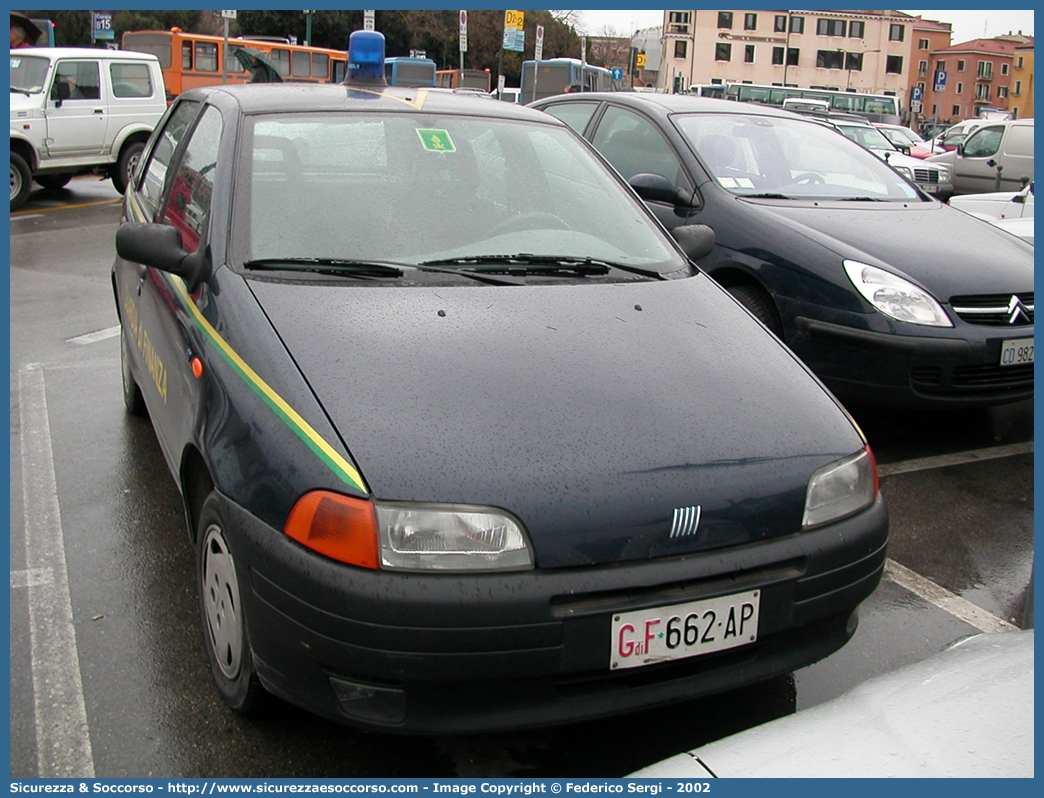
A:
(661, 634)
(1016, 352)
(931, 188)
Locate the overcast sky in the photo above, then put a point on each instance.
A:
(967, 25)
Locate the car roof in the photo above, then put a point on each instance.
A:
(289, 97)
(55, 53)
(678, 103)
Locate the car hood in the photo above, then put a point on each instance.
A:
(21, 104)
(590, 411)
(938, 247)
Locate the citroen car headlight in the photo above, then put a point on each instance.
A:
(409, 536)
(896, 297)
(840, 489)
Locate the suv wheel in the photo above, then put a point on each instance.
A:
(21, 178)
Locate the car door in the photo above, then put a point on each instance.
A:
(972, 170)
(634, 145)
(75, 113)
(174, 188)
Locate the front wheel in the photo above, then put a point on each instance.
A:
(129, 158)
(760, 305)
(21, 178)
(225, 632)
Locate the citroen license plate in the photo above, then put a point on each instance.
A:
(660, 634)
(1016, 352)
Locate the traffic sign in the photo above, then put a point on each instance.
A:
(538, 48)
(916, 94)
(616, 73)
(228, 14)
(463, 31)
(940, 80)
(514, 19)
(102, 26)
(639, 60)
(368, 20)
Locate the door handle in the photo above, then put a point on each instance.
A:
(99, 110)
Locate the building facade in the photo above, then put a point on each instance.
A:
(971, 78)
(1021, 92)
(863, 51)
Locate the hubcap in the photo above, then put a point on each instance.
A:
(221, 603)
(16, 182)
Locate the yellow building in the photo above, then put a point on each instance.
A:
(1020, 93)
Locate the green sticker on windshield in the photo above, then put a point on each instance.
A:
(436, 140)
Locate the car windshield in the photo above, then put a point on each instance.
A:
(788, 159)
(866, 136)
(28, 73)
(410, 188)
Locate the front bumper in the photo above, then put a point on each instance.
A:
(904, 371)
(426, 653)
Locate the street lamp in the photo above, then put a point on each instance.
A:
(848, 68)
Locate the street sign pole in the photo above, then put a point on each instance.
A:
(225, 16)
(463, 37)
(538, 56)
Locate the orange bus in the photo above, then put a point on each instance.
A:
(189, 60)
(463, 79)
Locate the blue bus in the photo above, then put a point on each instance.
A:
(556, 75)
(46, 33)
(406, 71)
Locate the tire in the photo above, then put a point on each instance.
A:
(760, 305)
(54, 182)
(21, 179)
(132, 398)
(225, 634)
(129, 158)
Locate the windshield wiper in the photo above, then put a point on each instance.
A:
(525, 263)
(766, 195)
(23, 91)
(862, 199)
(354, 268)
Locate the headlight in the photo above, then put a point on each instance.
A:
(905, 171)
(409, 536)
(896, 297)
(840, 489)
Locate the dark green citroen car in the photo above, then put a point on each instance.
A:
(464, 439)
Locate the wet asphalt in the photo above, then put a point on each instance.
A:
(90, 491)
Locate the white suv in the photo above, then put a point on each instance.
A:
(80, 110)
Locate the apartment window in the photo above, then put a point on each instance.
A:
(679, 17)
(780, 24)
(896, 33)
(1018, 88)
(922, 69)
(982, 92)
(829, 59)
(792, 56)
(894, 65)
(681, 48)
(1002, 92)
(956, 111)
(777, 56)
(1018, 62)
(940, 66)
(1004, 69)
(854, 62)
(748, 54)
(922, 44)
(959, 88)
(960, 65)
(725, 19)
(750, 22)
(797, 24)
(985, 70)
(723, 52)
(856, 29)
(830, 27)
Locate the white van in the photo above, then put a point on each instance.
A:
(79, 110)
(996, 156)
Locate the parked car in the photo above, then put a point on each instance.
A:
(947, 140)
(997, 204)
(966, 712)
(891, 297)
(79, 110)
(933, 178)
(905, 140)
(1023, 228)
(996, 156)
(459, 428)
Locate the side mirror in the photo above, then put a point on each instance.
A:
(159, 246)
(696, 240)
(960, 150)
(657, 188)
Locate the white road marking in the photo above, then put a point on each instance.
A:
(94, 337)
(975, 456)
(945, 600)
(63, 741)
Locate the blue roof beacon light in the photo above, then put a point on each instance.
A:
(366, 58)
